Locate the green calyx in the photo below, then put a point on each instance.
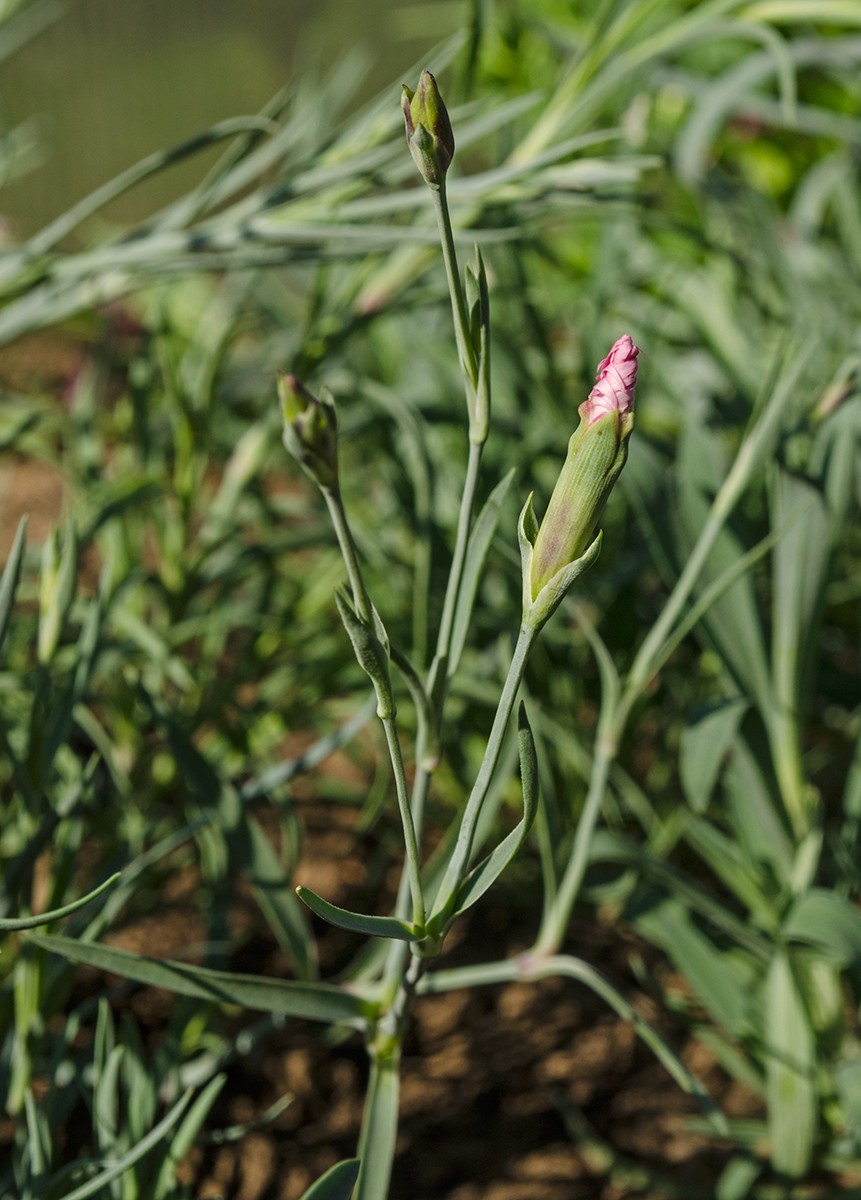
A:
(553, 556)
(310, 429)
(429, 131)
(596, 455)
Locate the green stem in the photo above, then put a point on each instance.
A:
(379, 1124)
(458, 304)
(463, 846)
(437, 673)
(410, 842)
(753, 449)
(555, 924)
(361, 600)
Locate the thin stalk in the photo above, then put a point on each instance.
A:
(397, 955)
(361, 600)
(437, 673)
(410, 841)
(379, 1125)
(752, 449)
(553, 927)
(463, 846)
(458, 303)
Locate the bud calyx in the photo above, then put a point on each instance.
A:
(429, 133)
(310, 429)
(562, 548)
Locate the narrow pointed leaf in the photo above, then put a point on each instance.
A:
(95, 1185)
(791, 1087)
(379, 1131)
(312, 1001)
(184, 1137)
(388, 927)
(10, 578)
(705, 742)
(476, 555)
(47, 917)
(488, 871)
(336, 1184)
(828, 921)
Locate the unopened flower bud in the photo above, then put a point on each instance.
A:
(429, 134)
(596, 454)
(310, 429)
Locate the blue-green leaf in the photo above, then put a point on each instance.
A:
(388, 927)
(47, 917)
(705, 742)
(488, 871)
(336, 1184)
(476, 554)
(826, 920)
(793, 1108)
(312, 1001)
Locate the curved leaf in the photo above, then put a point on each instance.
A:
(336, 1184)
(312, 1001)
(388, 927)
(476, 554)
(488, 871)
(7, 923)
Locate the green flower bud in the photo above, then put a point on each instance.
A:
(310, 429)
(429, 134)
(371, 653)
(563, 547)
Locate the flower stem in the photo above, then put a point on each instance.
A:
(458, 304)
(463, 847)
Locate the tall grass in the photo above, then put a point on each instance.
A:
(686, 175)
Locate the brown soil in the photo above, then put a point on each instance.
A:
(525, 1091)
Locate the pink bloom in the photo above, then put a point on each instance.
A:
(617, 378)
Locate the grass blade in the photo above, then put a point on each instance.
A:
(312, 1001)
(487, 872)
(388, 927)
(476, 554)
(790, 1075)
(134, 1155)
(10, 578)
(47, 917)
(336, 1184)
(379, 1130)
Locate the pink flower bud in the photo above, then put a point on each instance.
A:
(596, 454)
(617, 378)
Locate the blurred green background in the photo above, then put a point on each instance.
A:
(106, 84)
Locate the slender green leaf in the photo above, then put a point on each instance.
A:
(388, 927)
(248, 845)
(737, 1178)
(47, 917)
(488, 871)
(705, 743)
(184, 1137)
(754, 816)
(312, 1001)
(94, 1185)
(379, 1130)
(11, 576)
(273, 892)
(336, 1184)
(790, 1072)
(608, 846)
(714, 975)
(476, 553)
(829, 922)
